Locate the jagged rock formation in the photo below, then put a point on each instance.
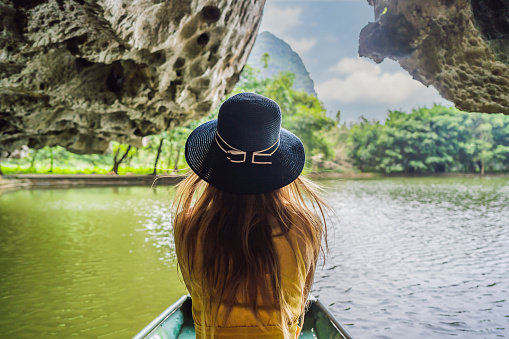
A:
(282, 59)
(80, 73)
(461, 47)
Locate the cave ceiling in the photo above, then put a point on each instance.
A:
(461, 47)
(81, 73)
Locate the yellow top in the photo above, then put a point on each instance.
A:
(241, 323)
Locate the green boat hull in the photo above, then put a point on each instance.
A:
(176, 322)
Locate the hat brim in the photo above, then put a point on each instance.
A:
(210, 163)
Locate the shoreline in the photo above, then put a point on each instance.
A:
(373, 175)
(30, 181)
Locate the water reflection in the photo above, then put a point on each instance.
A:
(157, 223)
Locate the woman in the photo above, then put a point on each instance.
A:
(246, 241)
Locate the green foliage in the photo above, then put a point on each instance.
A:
(265, 59)
(439, 139)
(365, 142)
(272, 56)
(303, 114)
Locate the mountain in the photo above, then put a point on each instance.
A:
(282, 58)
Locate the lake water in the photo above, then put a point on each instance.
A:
(85, 263)
(419, 258)
(409, 258)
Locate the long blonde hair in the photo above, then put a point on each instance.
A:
(235, 232)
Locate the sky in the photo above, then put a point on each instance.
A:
(325, 34)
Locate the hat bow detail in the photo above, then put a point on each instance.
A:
(236, 155)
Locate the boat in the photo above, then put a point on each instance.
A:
(176, 322)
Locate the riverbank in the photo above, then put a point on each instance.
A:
(370, 175)
(374, 176)
(344, 175)
(10, 182)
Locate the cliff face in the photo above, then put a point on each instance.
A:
(282, 59)
(80, 73)
(461, 47)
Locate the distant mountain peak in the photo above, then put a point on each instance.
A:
(282, 58)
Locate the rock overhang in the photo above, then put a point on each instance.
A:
(81, 73)
(461, 47)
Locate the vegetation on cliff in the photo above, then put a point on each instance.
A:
(273, 55)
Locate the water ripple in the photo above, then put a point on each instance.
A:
(419, 258)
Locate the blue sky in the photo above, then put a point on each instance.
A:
(326, 35)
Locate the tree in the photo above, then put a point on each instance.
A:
(265, 60)
(249, 81)
(177, 158)
(439, 139)
(1, 156)
(500, 134)
(170, 154)
(303, 114)
(366, 149)
(483, 143)
(116, 160)
(158, 154)
(52, 158)
(32, 162)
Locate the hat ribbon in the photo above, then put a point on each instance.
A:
(236, 155)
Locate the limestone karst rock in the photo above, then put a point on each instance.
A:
(80, 73)
(461, 47)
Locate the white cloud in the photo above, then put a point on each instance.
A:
(279, 21)
(301, 46)
(355, 65)
(365, 82)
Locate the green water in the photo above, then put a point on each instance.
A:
(88, 262)
(410, 258)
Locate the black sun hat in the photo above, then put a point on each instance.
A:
(245, 150)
